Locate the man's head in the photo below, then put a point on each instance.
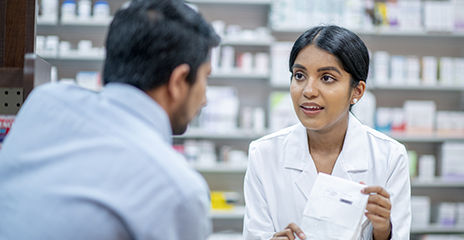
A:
(162, 47)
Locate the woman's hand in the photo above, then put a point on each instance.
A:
(378, 211)
(289, 233)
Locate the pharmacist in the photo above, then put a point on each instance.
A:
(329, 67)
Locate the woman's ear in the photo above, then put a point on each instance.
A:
(358, 92)
(178, 85)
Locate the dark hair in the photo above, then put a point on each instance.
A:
(150, 38)
(342, 43)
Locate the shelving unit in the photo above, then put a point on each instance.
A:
(437, 183)
(236, 213)
(234, 2)
(87, 22)
(381, 32)
(256, 88)
(417, 88)
(238, 75)
(437, 229)
(221, 168)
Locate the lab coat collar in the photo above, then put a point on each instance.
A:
(352, 162)
(354, 154)
(296, 151)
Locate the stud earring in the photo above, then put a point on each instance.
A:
(355, 101)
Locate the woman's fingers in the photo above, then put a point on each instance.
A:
(378, 209)
(289, 233)
(375, 209)
(296, 229)
(377, 190)
(286, 234)
(379, 200)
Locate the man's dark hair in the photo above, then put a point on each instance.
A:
(342, 43)
(150, 38)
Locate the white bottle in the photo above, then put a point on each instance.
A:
(84, 8)
(50, 9)
(101, 10)
(68, 10)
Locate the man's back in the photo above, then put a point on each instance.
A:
(97, 166)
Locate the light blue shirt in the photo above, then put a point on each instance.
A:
(79, 164)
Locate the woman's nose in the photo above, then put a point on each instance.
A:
(311, 89)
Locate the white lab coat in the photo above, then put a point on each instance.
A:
(281, 173)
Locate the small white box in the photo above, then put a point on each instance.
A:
(427, 168)
(447, 214)
(447, 71)
(398, 70)
(420, 210)
(381, 68)
(420, 116)
(451, 159)
(429, 70)
(459, 71)
(413, 71)
(460, 214)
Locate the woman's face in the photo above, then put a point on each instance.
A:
(321, 89)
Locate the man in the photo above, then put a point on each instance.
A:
(79, 164)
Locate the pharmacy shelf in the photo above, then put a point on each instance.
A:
(238, 134)
(239, 75)
(380, 32)
(87, 22)
(241, 134)
(76, 22)
(437, 183)
(235, 2)
(221, 168)
(46, 22)
(225, 236)
(431, 138)
(237, 212)
(392, 87)
(433, 228)
(74, 58)
(247, 42)
(417, 88)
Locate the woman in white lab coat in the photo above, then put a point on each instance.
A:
(329, 67)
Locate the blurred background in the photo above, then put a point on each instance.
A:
(415, 88)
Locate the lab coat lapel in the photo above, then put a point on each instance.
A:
(297, 158)
(352, 163)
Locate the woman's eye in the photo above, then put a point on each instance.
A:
(298, 76)
(327, 78)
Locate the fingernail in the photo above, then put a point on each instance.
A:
(302, 236)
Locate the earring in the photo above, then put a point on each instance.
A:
(355, 101)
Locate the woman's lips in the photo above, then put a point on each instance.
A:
(311, 109)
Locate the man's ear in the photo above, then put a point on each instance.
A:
(178, 85)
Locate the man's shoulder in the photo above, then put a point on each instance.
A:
(175, 171)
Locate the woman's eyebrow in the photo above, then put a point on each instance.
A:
(296, 65)
(329, 68)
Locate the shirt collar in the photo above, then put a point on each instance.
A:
(353, 155)
(141, 105)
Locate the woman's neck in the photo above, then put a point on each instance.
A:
(329, 140)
